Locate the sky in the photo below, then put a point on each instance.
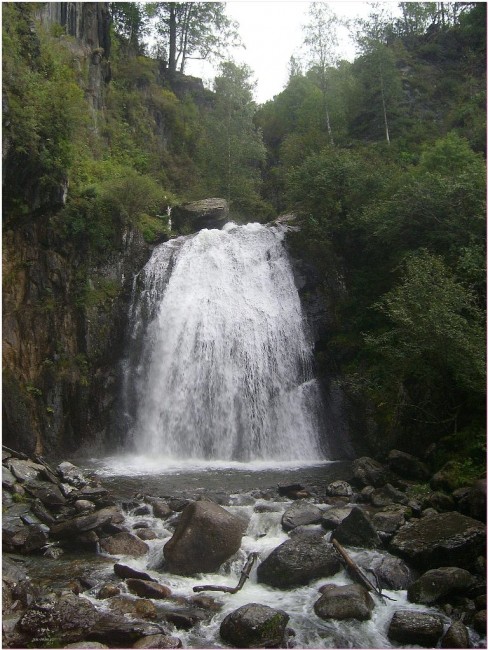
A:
(271, 31)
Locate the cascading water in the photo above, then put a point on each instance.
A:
(220, 364)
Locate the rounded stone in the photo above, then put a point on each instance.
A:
(254, 626)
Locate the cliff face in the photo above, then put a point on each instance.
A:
(63, 311)
(89, 24)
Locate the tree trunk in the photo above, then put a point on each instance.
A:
(385, 118)
(172, 40)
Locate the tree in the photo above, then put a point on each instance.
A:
(321, 40)
(234, 149)
(193, 30)
(131, 23)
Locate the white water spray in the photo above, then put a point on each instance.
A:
(224, 367)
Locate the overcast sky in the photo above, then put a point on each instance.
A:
(271, 31)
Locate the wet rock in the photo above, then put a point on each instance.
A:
(84, 523)
(334, 516)
(142, 510)
(298, 561)
(446, 478)
(147, 588)
(300, 513)
(185, 619)
(428, 512)
(457, 636)
(108, 591)
(479, 622)
(343, 602)
(71, 474)
(368, 471)
(388, 522)
(41, 512)
(83, 505)
(392, 572)
(124, 544)
(205, 537)
(446, 539)
(365, 495)
(158, 641)
(8, 479)
(339, 489)
(178, 504)
(67, 618)
(67, 490)
(440, 501)
(267, 507)
(161, 509)
(25, 470)
(117, 631)
(387, 495)
(255, 626)
(407, 466)
(124, 571)
(146, 534)
(207, 213)
(473, 503)
(135, 607)
(357, 529)
(48, 493)
(205, 602)
(312, 530)
(94, 493)
(409, 627)
(293, 491)
(437, 584)
(37, 537)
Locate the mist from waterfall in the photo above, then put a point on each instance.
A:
(219, 364)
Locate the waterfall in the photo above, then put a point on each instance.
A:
(219, 363)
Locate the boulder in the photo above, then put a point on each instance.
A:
(135, 607)
(124, 544)
(205, 537)
(339, 489)
(255, 626)
(368, 471)
(161, 509)
(71, 474)
(8, 479)
(145, 534)
(473, 503)
(108, 591)
(298, 561)
(357, 529)
(293, 491)
(479, 622)
(447, 477)
(392, 572)
(48, 493)
(83, 523)
(207, 213)
(457, 636)
(446, 539)
(387, 495)
(415, 628)
(334, 516)
(388, 521)
(300, 513)
(118, 632)
(440, 583)
(83, 505)
(147, 588)
(158, 641)
(440, 501)
(407, 466)
(123, 571)
(25, 470)
(67, 617)
(342, 602)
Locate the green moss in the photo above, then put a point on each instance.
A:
(153, 228)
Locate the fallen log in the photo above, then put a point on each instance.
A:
(246, 570)
(356, 573)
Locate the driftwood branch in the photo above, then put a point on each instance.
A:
(246, 570)
(356, 573)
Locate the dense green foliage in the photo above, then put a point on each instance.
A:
(399, 202)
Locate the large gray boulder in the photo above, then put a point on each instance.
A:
(207, 213)
(342, 602)
(437, 584)
(457, 636)
(255, 626)
(368, 471)
(300, 513)
(357, 529)
(446, 539)
(298, 561)
(205, 537)
(415, 628)
(124, 544)
(407, 466)
(392, 572)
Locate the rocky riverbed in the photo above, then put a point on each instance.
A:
(88, 565)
